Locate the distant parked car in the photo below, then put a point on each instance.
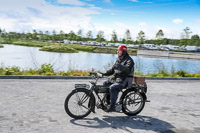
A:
(110, 44)
(66, 41)
(104, 44)
(60, 41)
(150, 46)
(74, 42)
(117, 44)
(172, 47)
(91, 42)
(191, 48)
(83, 43)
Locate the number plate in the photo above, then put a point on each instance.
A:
(80, 85)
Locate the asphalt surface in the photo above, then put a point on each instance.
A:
(37, 106)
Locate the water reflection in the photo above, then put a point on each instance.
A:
(30, 57)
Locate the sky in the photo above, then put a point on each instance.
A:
(172, 16)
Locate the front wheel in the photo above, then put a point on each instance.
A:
(78, 103)
(133, 103)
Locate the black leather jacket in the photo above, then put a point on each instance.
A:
(121, 69)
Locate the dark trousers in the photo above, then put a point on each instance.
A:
(114, 90)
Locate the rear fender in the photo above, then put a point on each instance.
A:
(129, 90)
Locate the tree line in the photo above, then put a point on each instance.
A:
(186, 37)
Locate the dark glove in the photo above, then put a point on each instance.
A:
(103, 74)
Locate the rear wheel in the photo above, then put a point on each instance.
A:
(78, 103)
(133, 103)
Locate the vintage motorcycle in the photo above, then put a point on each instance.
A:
(82, 101)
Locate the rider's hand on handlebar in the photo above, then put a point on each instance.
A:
(100, 75)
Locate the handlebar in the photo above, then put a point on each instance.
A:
(96, 75)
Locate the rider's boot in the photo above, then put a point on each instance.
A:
(107, 97)
(111, 108)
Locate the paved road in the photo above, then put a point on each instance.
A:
(36, 106)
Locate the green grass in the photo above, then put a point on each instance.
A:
(45, 70)
(48, 70)
(177, 74)
(61, 48)
(66, 48)
(79, 47)
(4, 41)
(1, 46)
(30, 43)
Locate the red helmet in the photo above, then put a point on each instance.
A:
(123, 48)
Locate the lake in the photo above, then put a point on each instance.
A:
(31, 57)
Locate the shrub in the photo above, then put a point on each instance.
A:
(181, 73)
(46, 68)
(12, 71)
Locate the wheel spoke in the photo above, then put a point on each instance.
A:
(133, 102)
(78, 98)
(78, 104)
(85, 107)
(84, 98)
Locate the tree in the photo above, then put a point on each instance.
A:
(159, 34)
(183, 42)
(89, 35)
(114, 37)
(54, 35)
(34, 34)
(195, 37)
(186, 33)
(141, 37)
(28, 35)
(123, 40)
(41, 35)
(195, 40)
(127, 36)
(159, 37)
(71, 36)
(100, 36)
(62, 35)
(46, 36)
(79, 35)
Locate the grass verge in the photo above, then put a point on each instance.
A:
(47, 70)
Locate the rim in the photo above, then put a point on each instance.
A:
(79, 104)
(133, 102)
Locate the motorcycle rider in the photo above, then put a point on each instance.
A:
(123, 71)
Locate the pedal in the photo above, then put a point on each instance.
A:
(147, 101)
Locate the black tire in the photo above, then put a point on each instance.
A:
(79, 99)
(133, 98)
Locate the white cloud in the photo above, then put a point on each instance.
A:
(71, 2)
(149, 30)
(148, 2)
(107, 1)
(197, 21)
(26, 15)
(141, 1)
(142, 23)
(134, 0)
(177, 21)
